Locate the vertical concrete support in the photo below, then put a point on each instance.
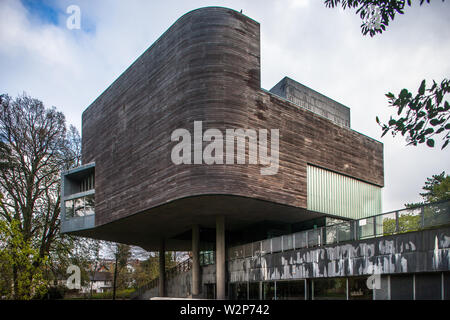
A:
(195, 260)
(162, 269)
(220, 257)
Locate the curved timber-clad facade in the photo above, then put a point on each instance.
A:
(206, 67)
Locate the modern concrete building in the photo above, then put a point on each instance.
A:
(186, 151)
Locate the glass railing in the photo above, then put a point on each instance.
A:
(395, 222)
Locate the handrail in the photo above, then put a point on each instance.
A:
(415, 218)
(393, 222)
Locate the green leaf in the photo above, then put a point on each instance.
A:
(422, 88)
(403, 94)
(439, 97)
(419, 125)
(445, 144)
(430, 143)
(434, 122)
(446, 106)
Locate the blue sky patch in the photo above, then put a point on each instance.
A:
(48, 12)
(42, 10)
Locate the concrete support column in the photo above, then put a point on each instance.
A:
(220, 257)
(162, 269)
(195, 260)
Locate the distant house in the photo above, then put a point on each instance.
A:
(100, 282)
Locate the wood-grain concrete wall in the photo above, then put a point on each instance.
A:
(206, 67)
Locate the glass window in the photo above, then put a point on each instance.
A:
(79, 207)
(238, 291)
(331, 235)
(291, 290)
(69, 209)
(402, 287)
(89, 205)
(253, 291)
(268, 291)
(344, 232)
(210, 291)
(358, 290)
(330, 289)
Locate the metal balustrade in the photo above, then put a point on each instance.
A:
(395, 222)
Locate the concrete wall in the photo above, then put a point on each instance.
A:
(206, 67)
(313, 101)
(422, 251)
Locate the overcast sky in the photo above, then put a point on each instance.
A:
(319, 47)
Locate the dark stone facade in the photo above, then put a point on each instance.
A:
(205, 67)
(414, 252)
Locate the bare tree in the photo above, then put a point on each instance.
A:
(37, 146)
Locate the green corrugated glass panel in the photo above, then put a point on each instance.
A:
(339, 195)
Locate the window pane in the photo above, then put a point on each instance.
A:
(330, 289)
(69, 209)
(253, 293)
(331, 235)
(268, 291)
(89, 205)
(239, 291)
(344, 232)
(291, 290)
(358, 290)
(79, 207)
